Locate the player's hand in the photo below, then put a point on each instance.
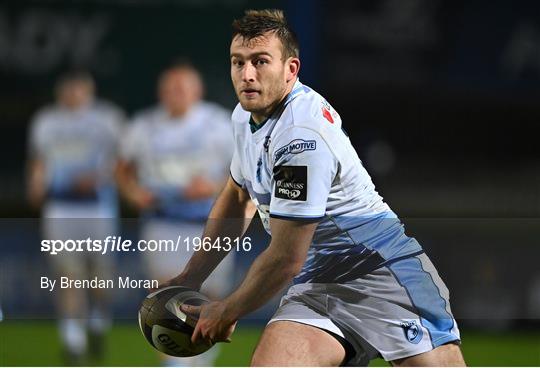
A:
(142, 199)
(213, 325)
(200, 188)
(36, 196)
(85, 184)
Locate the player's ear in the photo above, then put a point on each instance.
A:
(293, 67)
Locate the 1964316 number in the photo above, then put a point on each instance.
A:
(224, 244)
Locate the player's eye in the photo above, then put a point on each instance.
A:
(260, 62)
(237, 63)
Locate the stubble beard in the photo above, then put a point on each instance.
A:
(263, 107)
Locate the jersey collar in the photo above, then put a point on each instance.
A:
(298, 89)
(253, 126)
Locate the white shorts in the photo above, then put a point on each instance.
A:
(395, 312)
(78, 221)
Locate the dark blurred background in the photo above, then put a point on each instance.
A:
(437, 94)
(440, 98)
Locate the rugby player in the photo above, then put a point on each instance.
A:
(72, 154)
(174, 160)
(361, 287)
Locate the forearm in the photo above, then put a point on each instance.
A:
(269, 274)
(36, 182)
(230, 216)
(274, 268)
(126, 180)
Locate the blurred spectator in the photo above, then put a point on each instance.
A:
(175, 159)
(72, 154)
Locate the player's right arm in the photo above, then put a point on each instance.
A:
(230, 216)
(36, 189)
(126, 174)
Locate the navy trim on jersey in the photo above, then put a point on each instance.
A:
(393, 260)
(72, 196)
(351, 267)
(254, 127)
(297, 218)
(235, 182)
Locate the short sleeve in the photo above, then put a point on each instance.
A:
(304, 168)
(116, 128)
(118, 125)
(132, 142)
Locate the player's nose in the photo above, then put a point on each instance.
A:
(248, 73)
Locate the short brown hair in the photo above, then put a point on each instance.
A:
(256, 23)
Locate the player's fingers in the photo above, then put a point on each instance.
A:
(196, 334)
(220, 339)
(229, 333)
(199, 337)
(193, 310)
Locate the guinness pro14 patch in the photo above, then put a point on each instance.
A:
(291, 182)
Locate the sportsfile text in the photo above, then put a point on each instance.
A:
(114, 243)
(109, 244)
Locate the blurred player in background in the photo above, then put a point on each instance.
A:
(175, 159)
(72, 157)
(362, 288)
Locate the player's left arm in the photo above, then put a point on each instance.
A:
(270, 272)
(274, 268)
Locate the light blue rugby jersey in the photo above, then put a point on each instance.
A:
(78, 143)
(301, 165)
(170, 152)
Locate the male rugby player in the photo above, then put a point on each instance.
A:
(73, 149)
(362, 288)
(174, 160)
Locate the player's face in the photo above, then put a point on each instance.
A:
(75, 94)
(260, 75)
(179, 89)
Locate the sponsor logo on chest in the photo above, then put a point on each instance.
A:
(294, 147)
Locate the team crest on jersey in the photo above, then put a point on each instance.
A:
(413, 332)
(328, 112)
(291, 182)
(294, 147)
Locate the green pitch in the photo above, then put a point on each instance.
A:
(24, 343)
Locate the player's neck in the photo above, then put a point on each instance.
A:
(178, 113)
(261, 117)
(258, 118)
(75, 106)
